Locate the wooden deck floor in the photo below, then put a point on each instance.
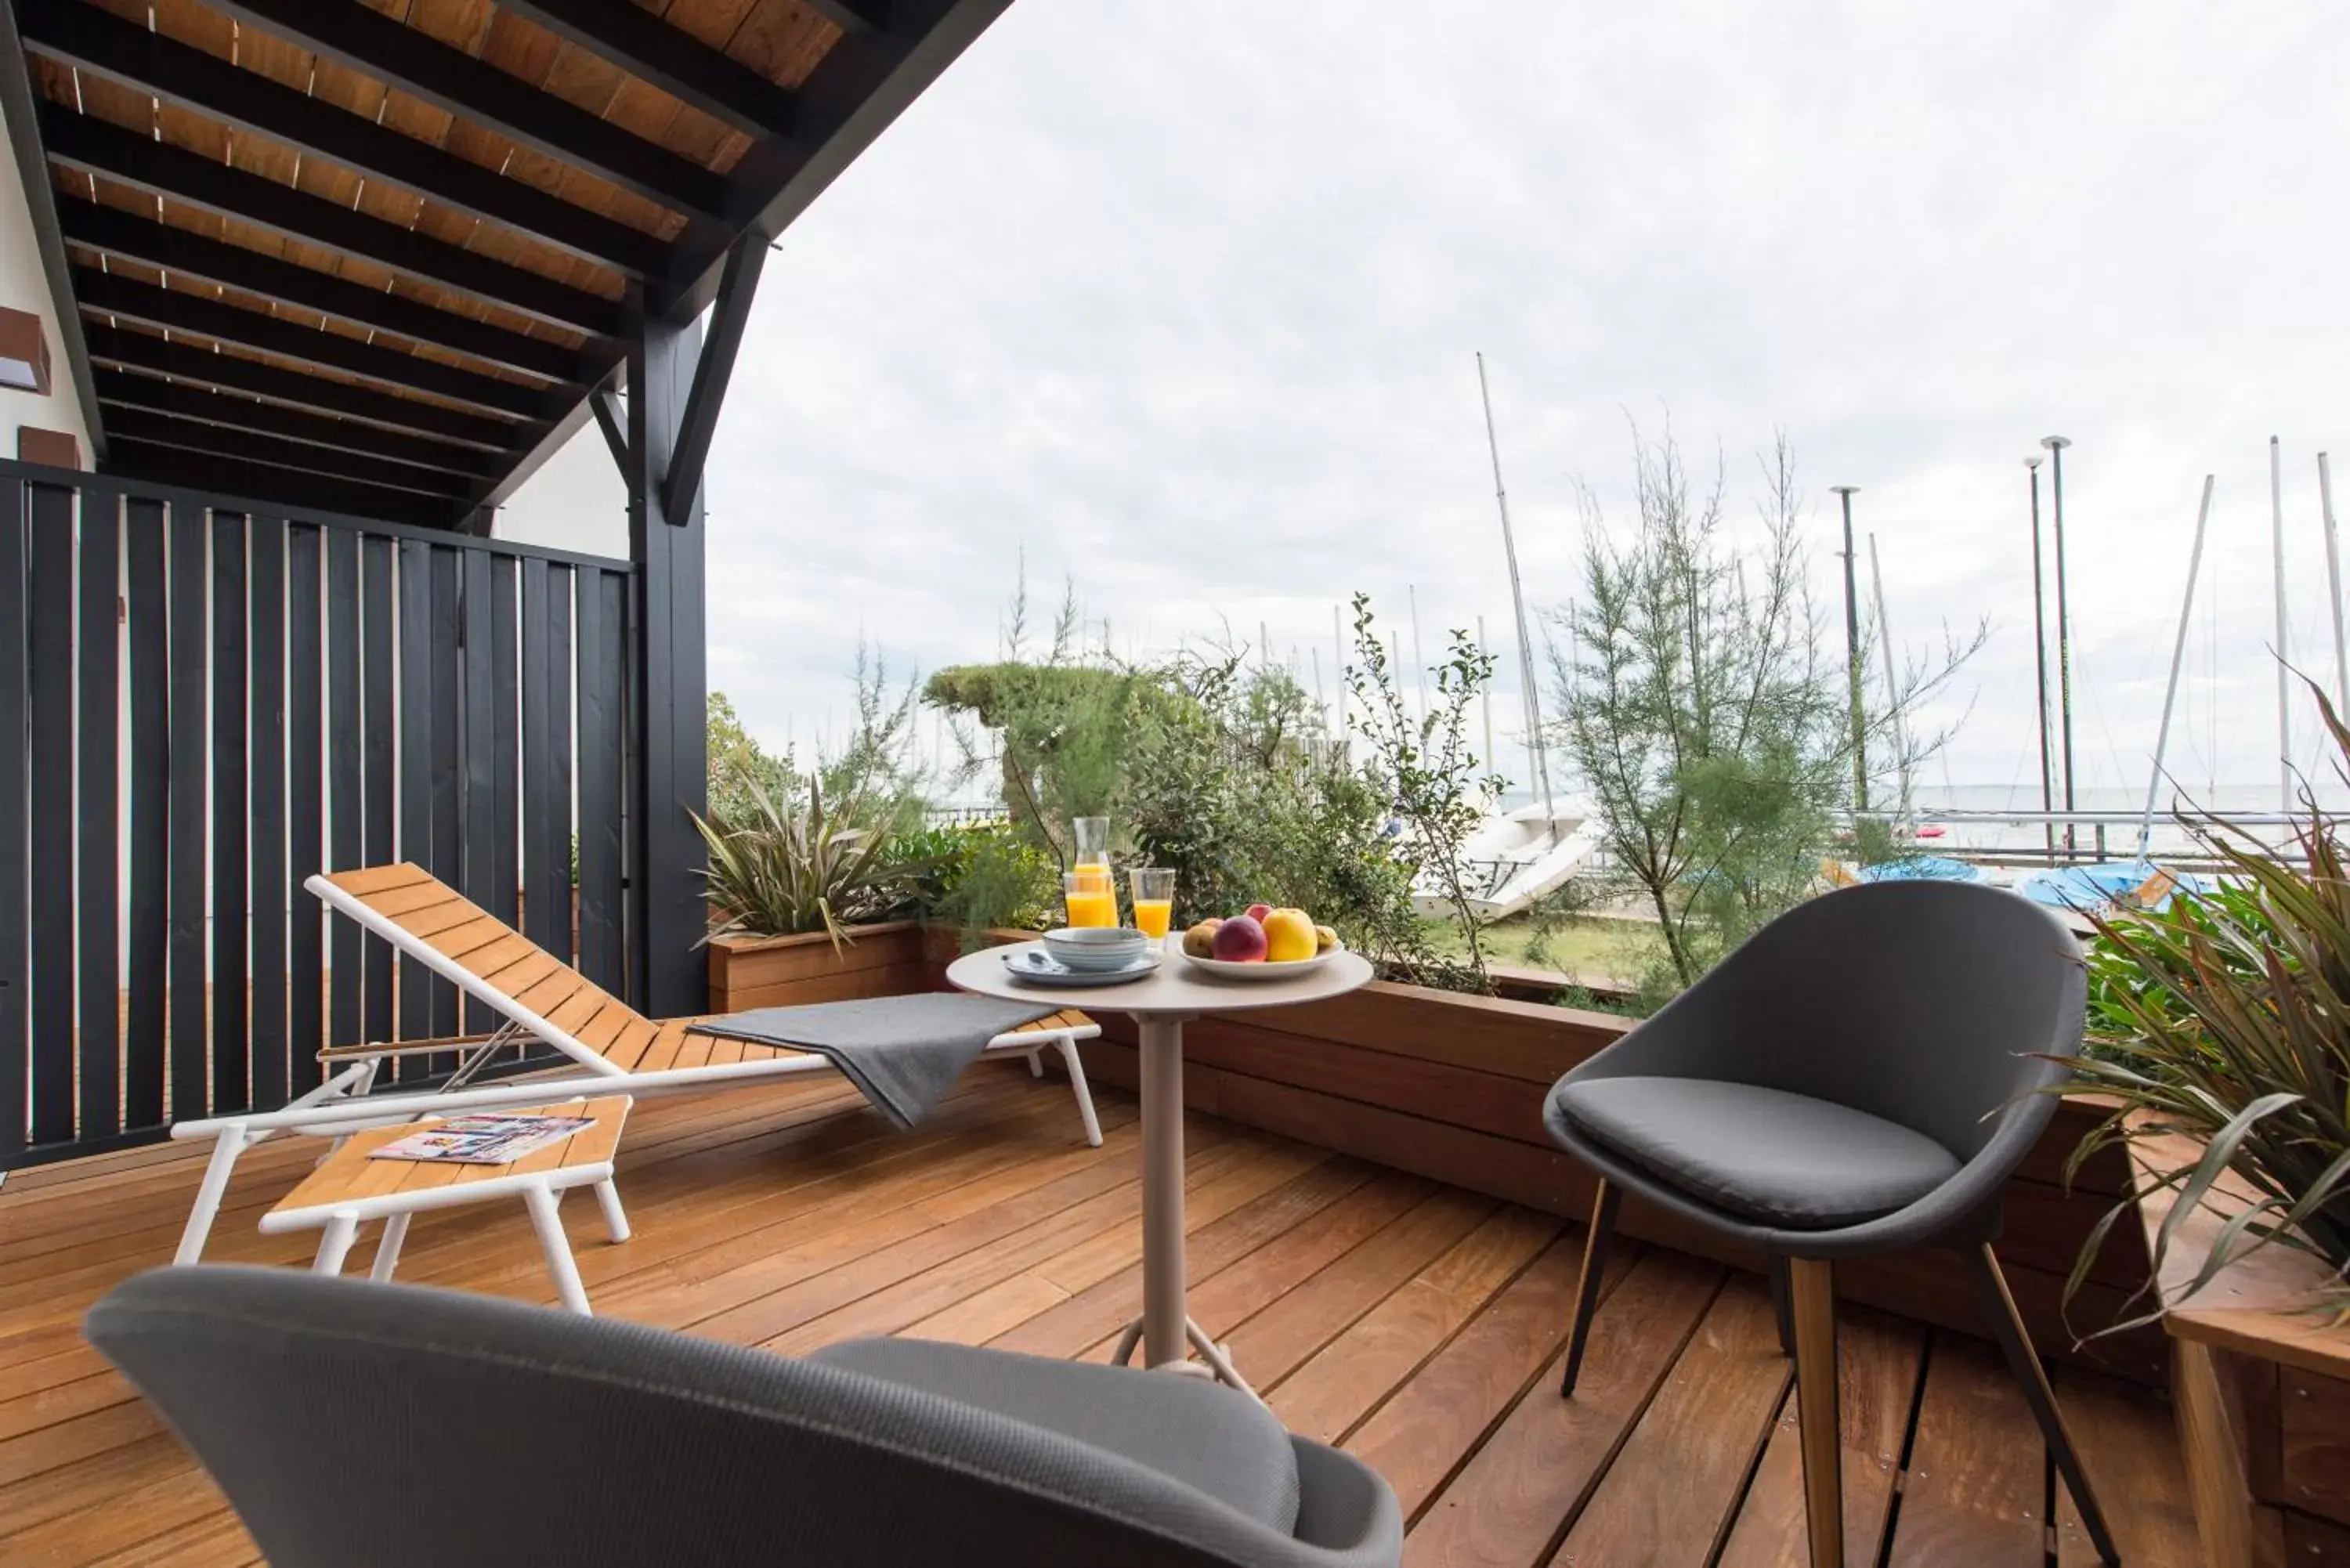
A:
(1417, 1325)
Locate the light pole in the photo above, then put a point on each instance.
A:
(2040, 661)
(1852, 658)
(2056, 445)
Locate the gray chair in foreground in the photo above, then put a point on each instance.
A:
(1860, 1077)
(365, 1426)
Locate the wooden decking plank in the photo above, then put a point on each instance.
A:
(701, 1198)
(993, 1221)
(1279, 1339)
(1100, 1309)
(775, 1294)
(2136, 1466)
(1209, 1196)
(1977, 1484)
(1233, 1295)
(1877, 1359)
(1429, 1428)
(221, 1541)
(1527, 1482)
(1323, 1398)
(60, 1443)
(1670, 1493)
(974, 1253)
(838, 1209)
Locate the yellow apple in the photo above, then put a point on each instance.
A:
(1289, 937)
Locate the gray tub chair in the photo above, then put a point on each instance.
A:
(365, 1426)
(1857, 1078)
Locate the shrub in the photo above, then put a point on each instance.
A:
(982, 876)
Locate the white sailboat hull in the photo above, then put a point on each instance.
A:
(1515, 858)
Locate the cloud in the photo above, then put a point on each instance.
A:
(1180, 302)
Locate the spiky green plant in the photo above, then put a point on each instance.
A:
(804, 867)
(2225, 1019)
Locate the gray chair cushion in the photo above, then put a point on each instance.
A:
(1788, 1159)
(1205, 1436)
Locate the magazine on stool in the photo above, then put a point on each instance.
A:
(484, 1139)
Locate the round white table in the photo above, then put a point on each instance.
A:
(1159, 1006)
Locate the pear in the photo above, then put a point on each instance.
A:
(1325, 939)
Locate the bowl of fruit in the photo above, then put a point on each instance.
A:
(1265, 943)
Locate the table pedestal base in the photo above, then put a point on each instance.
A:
(1214, 1362)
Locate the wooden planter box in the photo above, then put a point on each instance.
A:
(2261, 1387)
(1452, 1087)
(781, 972)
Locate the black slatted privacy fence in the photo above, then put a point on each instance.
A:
(203, 702)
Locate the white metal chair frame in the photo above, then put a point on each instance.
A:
(540, 1190)
(341, 1104)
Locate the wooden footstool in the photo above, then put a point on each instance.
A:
(348, 1189)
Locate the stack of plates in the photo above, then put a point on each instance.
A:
(1096, 950)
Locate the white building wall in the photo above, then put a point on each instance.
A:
(25, 287)
(576, 500)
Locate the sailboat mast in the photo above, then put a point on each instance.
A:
(1485, 702)
(2039, 662)
(2334, 581)
(1892, 680)
(2283, 652)
(1338, 653)
(2177, 658)
(1845, 492)
(1537, 761)
(1419, 654)
(2056, 445)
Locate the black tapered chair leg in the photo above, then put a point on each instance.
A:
(1782, 1307)
(2024, 1363)
(1586, 1288)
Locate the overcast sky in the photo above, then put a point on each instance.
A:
(1181, 301)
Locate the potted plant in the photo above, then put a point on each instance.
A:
(803, 895)
(2222, 1038)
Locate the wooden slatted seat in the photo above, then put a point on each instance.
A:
(352, 1186)
(608, 1043)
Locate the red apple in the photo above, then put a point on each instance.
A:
(1257, 912)
(1240, 940)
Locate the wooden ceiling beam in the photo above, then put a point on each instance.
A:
(863, 83)
(237, 476)
(415, 62)
(260, 446)
(81, 35)
(854, 16)
(112, 293)
(173, 249)
(144, 351)
(627, 35)
(82, 142)
(681, 485)
(185, 400)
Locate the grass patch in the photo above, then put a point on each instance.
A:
(1593, 950)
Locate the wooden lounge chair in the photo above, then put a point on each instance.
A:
(611, 1048)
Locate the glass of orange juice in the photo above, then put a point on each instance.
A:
(1154, 900)
(1091, 898)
